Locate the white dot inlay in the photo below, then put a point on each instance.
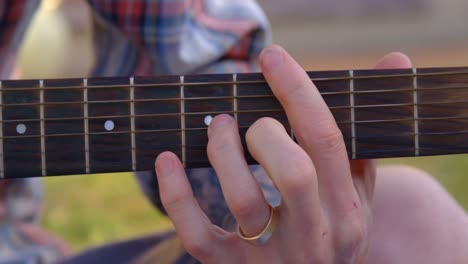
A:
(208, 119)
(109, 125)
(21, 128)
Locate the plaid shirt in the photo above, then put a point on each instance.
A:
(137, 37)
(155, 37)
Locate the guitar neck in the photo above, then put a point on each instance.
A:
(78, 126)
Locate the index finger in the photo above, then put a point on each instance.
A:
(313, 124)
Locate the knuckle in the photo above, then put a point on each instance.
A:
(354, 232)
(245, 206)
(177, 203)
(223, 142)
(357, 232)
(260, 127)
(299, 171)
(296, 91)
(330, 140)
(199, 248)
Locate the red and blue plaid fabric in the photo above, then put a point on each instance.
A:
(177, 36)
(135, 37)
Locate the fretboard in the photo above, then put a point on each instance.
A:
(78, 126)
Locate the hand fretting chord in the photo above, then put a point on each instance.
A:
(415, 111)
(132, 120)
(86, 128)
(41, 117)
(353, 118)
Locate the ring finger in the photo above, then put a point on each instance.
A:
(289, 167)
(241, 191)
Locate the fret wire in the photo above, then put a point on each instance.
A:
(2, 168)
(353, 125)
(416, 113)
(248, 82)
(234, 95)
(132, 121)
(86, 121)
(182, 121)
(245, 97)
(41, 115)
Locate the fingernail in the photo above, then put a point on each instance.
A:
(164, 165)
(272, 57)
(219, 121)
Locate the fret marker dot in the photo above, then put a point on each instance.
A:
(21, 129)
(208, 119)
(109, 125)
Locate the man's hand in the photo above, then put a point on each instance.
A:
(325, 213)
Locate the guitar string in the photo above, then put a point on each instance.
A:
(378, 151)
(383, 152)
(16, 87)
(228, 97)
(239, 112)
(240, 97)
(194, 129)
(246, 97)
(176, 83)
(190, 149)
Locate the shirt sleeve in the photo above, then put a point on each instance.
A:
(15, 17)
(177, 37)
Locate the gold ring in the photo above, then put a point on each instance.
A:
(266, 232)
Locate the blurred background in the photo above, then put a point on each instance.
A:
(335, 34)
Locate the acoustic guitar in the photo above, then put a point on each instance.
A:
(78, 126)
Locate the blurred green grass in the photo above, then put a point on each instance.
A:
(88, 210)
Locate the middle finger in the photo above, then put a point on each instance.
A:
(314, 126)
(289, 167)
(241, 191)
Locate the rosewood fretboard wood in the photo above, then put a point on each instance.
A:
(77, 126)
